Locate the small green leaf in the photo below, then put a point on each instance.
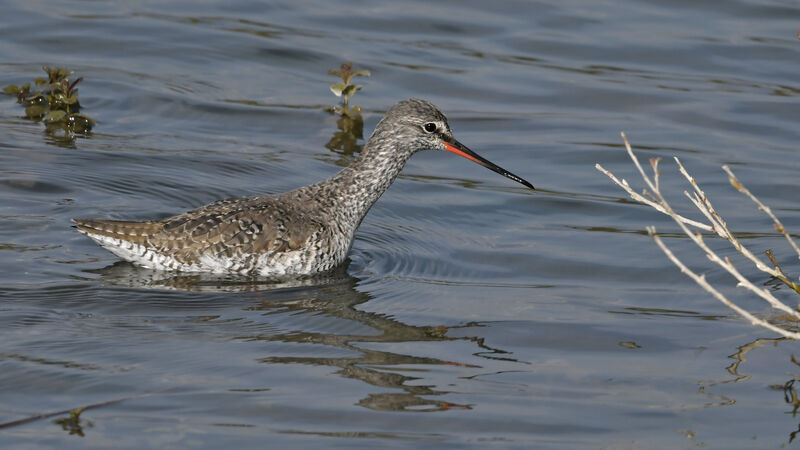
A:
(362, 73)
(37, 100)
(55, 116)
(40, 81)
(338, 88)
(350, 89)
(80, 123)
(72, 99)
(84, 117)
(338, 73)
(36, 111)
(12, 89)
(56, 74)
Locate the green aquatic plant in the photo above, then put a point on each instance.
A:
(345, 89)
(54, 102)
(350, 124)
(74, 424)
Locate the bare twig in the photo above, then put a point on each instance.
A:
(718, 225)
(701, 280)
(639, 197)
(784, 278)
(778, 225)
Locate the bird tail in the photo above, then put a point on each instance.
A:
(117, 229)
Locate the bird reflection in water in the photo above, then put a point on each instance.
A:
(333, 296)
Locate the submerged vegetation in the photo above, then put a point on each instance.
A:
(73, 423)
(54, 101)
(350, 124)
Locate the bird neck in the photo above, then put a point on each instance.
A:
(357, 187)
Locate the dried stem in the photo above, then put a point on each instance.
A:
(778, 225)
(701, 280)
(717, 225)
(783, 277)
(639, 197)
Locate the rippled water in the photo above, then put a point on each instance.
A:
(472, 311)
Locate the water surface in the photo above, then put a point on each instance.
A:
(472, 311)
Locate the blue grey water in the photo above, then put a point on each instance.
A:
(473, 311)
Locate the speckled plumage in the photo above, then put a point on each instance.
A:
(304, 231)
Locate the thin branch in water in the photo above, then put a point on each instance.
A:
(701, 280)
(718, 225)
(784, 278)
(767, 210)
(638, 197)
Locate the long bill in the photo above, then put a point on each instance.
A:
(461, 150)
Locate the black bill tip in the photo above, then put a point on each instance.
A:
(461, 150)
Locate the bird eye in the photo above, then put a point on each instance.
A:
(430, 127)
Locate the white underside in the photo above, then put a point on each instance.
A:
(266, 264)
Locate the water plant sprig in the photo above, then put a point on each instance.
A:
(345, 89)
(55, 103)
(350, 124)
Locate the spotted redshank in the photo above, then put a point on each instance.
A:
(300, 232)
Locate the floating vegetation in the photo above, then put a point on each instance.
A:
(74, 424)
(54, 102)
(350, 124)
